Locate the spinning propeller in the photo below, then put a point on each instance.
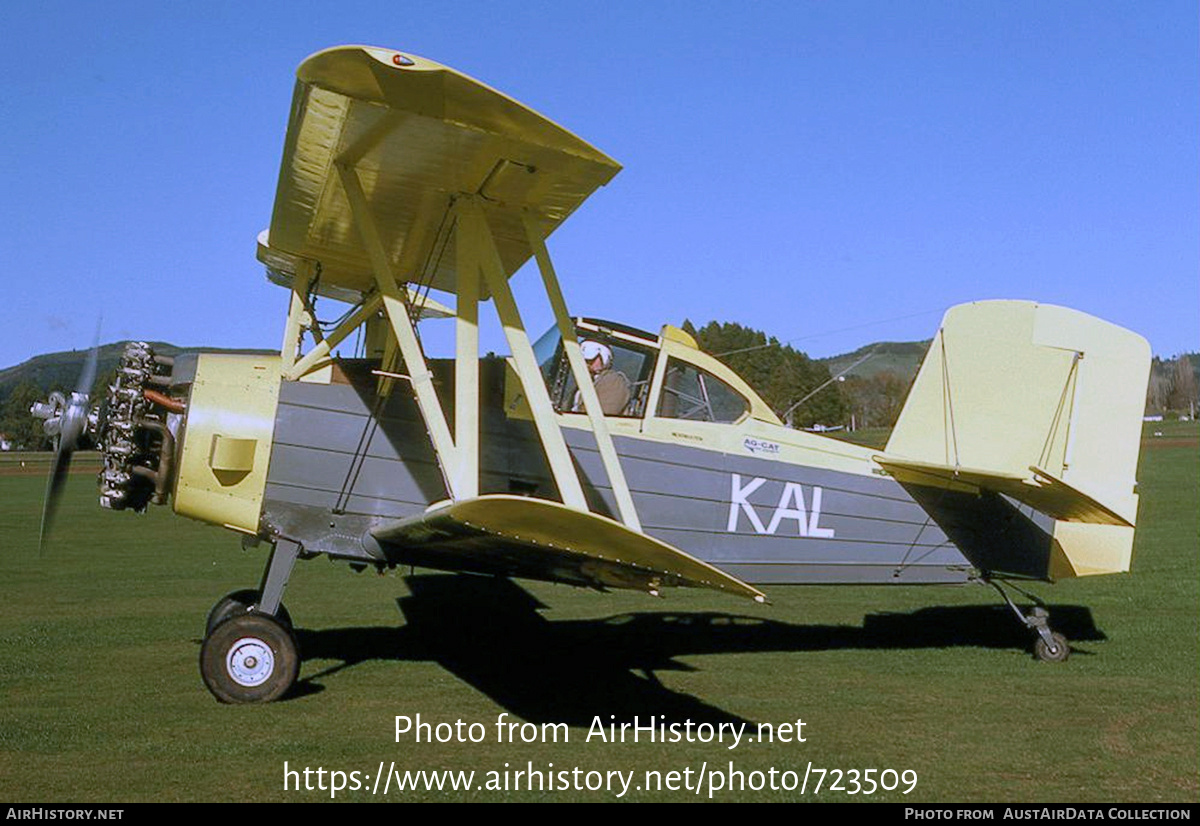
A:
(66, 419)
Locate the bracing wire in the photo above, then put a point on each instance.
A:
(773, 343)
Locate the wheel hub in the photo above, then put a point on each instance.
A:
(250, 662)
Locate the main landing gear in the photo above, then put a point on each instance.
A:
(249, 653)
(1049, 646)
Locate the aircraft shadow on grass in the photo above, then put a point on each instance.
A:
(488, 633)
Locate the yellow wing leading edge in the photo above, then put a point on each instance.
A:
(419, 134)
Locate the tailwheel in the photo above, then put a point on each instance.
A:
(249, 658)
(1055, 651)
(238, 603)
(1049, 646)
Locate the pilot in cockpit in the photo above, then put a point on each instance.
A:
(612, 386)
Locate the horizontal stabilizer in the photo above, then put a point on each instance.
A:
(1039, 489)
(540, 539)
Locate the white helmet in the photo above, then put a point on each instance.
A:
(591, 349)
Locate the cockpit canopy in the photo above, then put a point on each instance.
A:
(668, 375)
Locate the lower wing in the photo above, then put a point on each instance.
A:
(540, 539)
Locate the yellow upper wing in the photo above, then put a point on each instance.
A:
(418, 134)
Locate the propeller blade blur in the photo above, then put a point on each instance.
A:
(88, 377)
(54, 486)
(66, 418)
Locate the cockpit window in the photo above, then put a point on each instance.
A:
(635, 363)
(690, 393)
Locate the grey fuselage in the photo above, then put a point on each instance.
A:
(344, 461)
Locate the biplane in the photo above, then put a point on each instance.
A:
(408, 191)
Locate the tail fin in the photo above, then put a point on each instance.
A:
(1040, 403)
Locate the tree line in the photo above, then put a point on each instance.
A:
(1174, 387)
(799, 389)
(781, 375)
(874, 397)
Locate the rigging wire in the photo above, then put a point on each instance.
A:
(833, 332)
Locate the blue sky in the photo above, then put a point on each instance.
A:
(833, 173)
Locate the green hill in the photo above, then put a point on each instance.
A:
(61, 371)
(899, 357)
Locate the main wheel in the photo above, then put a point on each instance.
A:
(239, 602)
(1048, 654)
(249, 658)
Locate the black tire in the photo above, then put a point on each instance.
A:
(1045, 653)
(238, 603)
(249, 658)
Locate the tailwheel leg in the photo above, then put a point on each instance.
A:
(1049, 646)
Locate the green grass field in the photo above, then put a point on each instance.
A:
(102, 699)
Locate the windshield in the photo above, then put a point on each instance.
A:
(544, 350)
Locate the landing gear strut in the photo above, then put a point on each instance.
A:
(249, 653)
(1050, 646)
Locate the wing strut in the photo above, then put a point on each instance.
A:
(406, 335)
(479, 266)
(466, 363)
(416, 146)
(294, 329)
(591, 402)
(320, 352)
(472, 224)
